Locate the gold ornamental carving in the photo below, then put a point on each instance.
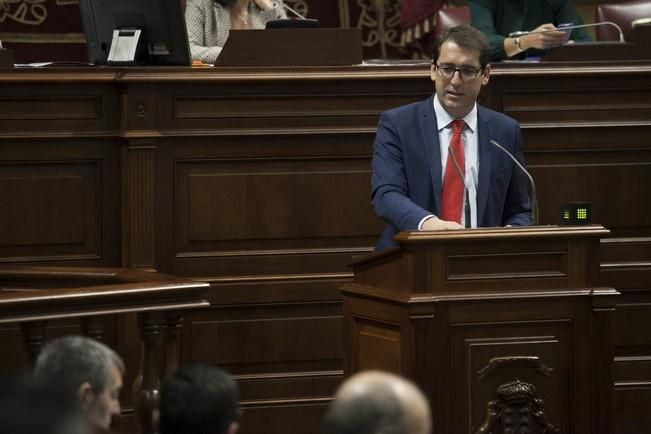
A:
(380, 20)
(27, 12)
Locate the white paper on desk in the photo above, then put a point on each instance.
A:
(32, 65)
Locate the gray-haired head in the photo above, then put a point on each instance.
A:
(74, 360)
(374, 402)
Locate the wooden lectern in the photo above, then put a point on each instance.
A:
(292, 47)
(502, 328)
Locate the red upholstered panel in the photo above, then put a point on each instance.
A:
(451, 17)
(40, 31)
(621, 14)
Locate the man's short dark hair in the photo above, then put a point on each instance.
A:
(373, 413)
(198, 399)
(74, 360)
(468, 37)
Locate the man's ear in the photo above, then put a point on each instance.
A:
(233, 428)
(86, 394)
(485, 75)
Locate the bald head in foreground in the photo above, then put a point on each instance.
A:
(374, 402)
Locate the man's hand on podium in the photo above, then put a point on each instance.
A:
(436, 224)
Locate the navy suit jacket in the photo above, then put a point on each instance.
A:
(407, 174)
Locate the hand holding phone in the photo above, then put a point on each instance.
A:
(567, 32)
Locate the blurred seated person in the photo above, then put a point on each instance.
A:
(86, 370)
(498, 18)
(210, 21)
(375, 402)
(28, 406)
(199, 399)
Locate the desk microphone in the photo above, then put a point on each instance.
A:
(534, 197)
(301, 22)
(281, 3)
(579, 26)
(466, 207)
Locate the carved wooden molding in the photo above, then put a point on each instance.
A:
(532, 362)
(516, 409)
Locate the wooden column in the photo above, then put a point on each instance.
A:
(34, 333)
(92, 327)
(146, 387)
(173, 321)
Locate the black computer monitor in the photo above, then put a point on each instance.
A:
(159, 26)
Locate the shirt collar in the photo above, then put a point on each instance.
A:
(443, 118)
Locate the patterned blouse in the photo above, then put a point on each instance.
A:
(208, 25)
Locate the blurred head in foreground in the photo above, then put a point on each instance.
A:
(374, 402)
(199, 399)
(86, 369)
(28, 406)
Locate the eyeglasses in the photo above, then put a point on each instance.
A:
(465, 72)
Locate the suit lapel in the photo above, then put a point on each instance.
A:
(485, 165)
(429, 131)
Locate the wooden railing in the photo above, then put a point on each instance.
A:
(32, 296)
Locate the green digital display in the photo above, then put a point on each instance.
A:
(576, 213)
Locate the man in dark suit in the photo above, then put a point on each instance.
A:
(414, 187)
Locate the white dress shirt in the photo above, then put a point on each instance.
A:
(471, 153)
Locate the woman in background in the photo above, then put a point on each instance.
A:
(498, 18)
(210, 21)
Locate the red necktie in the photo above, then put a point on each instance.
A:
(453, 187)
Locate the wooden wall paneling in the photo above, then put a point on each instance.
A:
(476, 343)
(178, 156)
(139, 116)
(602, 340)
(376, 335)
(287, 210)
(41, 103)
(428, 325)
(632, 371)
(59, 170)
(139, 214)
(61, 202)
(584, 146)
(625, 261)
(281, 338)
(279, 102)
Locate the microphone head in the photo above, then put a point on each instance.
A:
(292, 24)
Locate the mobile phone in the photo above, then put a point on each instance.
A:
(567, 32)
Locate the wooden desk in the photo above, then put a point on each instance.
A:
(34, 297)
(257, 180)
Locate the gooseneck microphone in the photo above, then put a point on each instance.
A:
(281, 3)
(534, 197)
(466, 207)
(301, 22)
(578, 26)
